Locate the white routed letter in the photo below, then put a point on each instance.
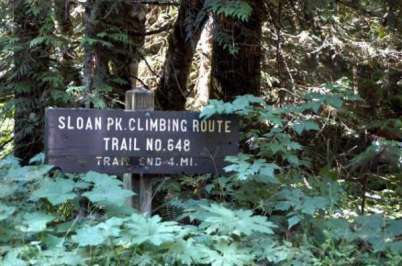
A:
(62, 125)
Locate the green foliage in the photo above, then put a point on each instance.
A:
(268, 208)
(245, 170)
(105, 190)
(217, 219)
(35, 222)
(237, 9)
(308, 157)
(391, 150)
(152, 230)
(295, 201)
(55, 191)
(6, 211)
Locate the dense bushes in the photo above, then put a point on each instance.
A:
(272, 208)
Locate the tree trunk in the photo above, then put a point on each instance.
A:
(203, 84)
(115, 66)
(125, 55)
(236, 70)
(394, 74)
(392, 19)
(91, 13)
(172, 91)
(30, 63)
(65, 28)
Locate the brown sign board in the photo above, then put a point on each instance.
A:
(144, 142)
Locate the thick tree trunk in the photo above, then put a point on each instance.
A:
(123, 26)
(30, 63)
(125, 56)
(92, 11)
(172, 91)
(203, 84)
(237, 73)
(393, 19)
(65, 28)
(394, 75)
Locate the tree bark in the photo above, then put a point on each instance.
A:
(65, 28)
(238, 73)
(172, 91)
(116, 65)
(92, 60)
(394, 74)
(29, 89)
(125, 56)
(393, 17)
(203, 84)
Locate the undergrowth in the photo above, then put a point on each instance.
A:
(275, 206)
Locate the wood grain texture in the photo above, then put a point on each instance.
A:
(80, 150)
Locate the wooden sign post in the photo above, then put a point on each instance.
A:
(143, 100)
(139, 141)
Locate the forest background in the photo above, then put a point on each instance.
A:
(317, 86)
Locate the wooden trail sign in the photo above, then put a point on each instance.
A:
(144, 142)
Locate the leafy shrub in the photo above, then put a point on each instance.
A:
(269, 209)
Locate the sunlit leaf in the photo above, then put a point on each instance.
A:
(55, 191)
(35, 222)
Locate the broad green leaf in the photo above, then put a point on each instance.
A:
(267, 172)
(55, 191)
(307, 125)
(53, 242)
(108, 195)
(229, 255)
(395, 247)
(12, 258)
(238, 222)
(292, 221)
(7, 190)
(188, 252)
(89, 236)
(97, 235)
(244, 103)
(37, 159)
(111, 227)
(101, 180)
(6, 211)
(35, 222)
(293, 159)
(394, 228)
(339, 229)
(240, 10)
(37, 41)
(9, 161)
(245, 170)
(270, 250)
(28, 173)
(334, 101)
(106, 190)
(214, 107)
(370, 223)
(241, 105)
(144, 259)
(312, 204)
(283, 206)
(59, 256)
(151, 230)
(313, 105)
